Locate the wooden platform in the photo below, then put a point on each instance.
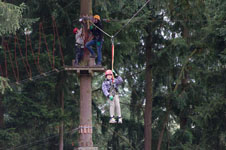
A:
(85, 69)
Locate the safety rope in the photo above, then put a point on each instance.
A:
(112, 55)
(113, 36)
(101, 30)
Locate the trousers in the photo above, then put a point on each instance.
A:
(115, 109)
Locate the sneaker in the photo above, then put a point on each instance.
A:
(98, 65)
(93, 56)
(76, 65)
(112, 120)
(120, 120)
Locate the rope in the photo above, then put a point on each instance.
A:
(58, 37)
(54, 43)
(30, 73)
(6, 72)
(16, 39)
(112, 56)
(10, 58)
(131, 18)
(2, 74)
(17, 68)
(33, 54)
(46, 44)
(101, 30)
(41, 140)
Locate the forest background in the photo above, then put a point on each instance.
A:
(171, 56)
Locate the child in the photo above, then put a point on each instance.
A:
(79, 45)
(110, 90)
(97, 40)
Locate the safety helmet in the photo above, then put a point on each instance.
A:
(75, 30)
(108, 72)
(96, 17)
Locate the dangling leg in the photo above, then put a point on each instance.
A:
(112, 111)
(118, 108)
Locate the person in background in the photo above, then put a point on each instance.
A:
(110, 90)
(79, 45)
(97, 40)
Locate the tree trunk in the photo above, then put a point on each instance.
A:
(86, 10)
(148, 106)
(61, 142)
(1, 112)
(162, 131)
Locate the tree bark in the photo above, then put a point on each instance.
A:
(148, 106)
(86, 10)
(162, 131)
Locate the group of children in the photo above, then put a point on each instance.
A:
(112, 80)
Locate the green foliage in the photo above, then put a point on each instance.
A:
(10, 17)
(4, 85)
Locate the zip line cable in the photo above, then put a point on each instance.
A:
(41, 140)
(131, 18)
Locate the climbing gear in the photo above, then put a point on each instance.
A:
(96, 17)
(113, 52)
(119, 119)
(75, 30)
(108, 72)
(112, 120)
(91, 27)
(111, 98)
(114, 73)
(98, 43)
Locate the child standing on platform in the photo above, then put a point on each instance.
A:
(79, 45)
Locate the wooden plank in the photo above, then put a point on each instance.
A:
(85, 68)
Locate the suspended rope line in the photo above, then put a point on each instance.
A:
(1, 71)
(61, 51)
(101, 30)
(46, 44)
(30, 73)
(54, 43)
(41, 140)
(21, 54)
(45, 74)
(15, 57)
(131, 18)
(33, 54)
(11, 61)
(6, 72)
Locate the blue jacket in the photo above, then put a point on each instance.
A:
(107, 84)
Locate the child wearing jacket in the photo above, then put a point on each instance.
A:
(110, 90)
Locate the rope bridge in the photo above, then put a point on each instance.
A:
(17, 58)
